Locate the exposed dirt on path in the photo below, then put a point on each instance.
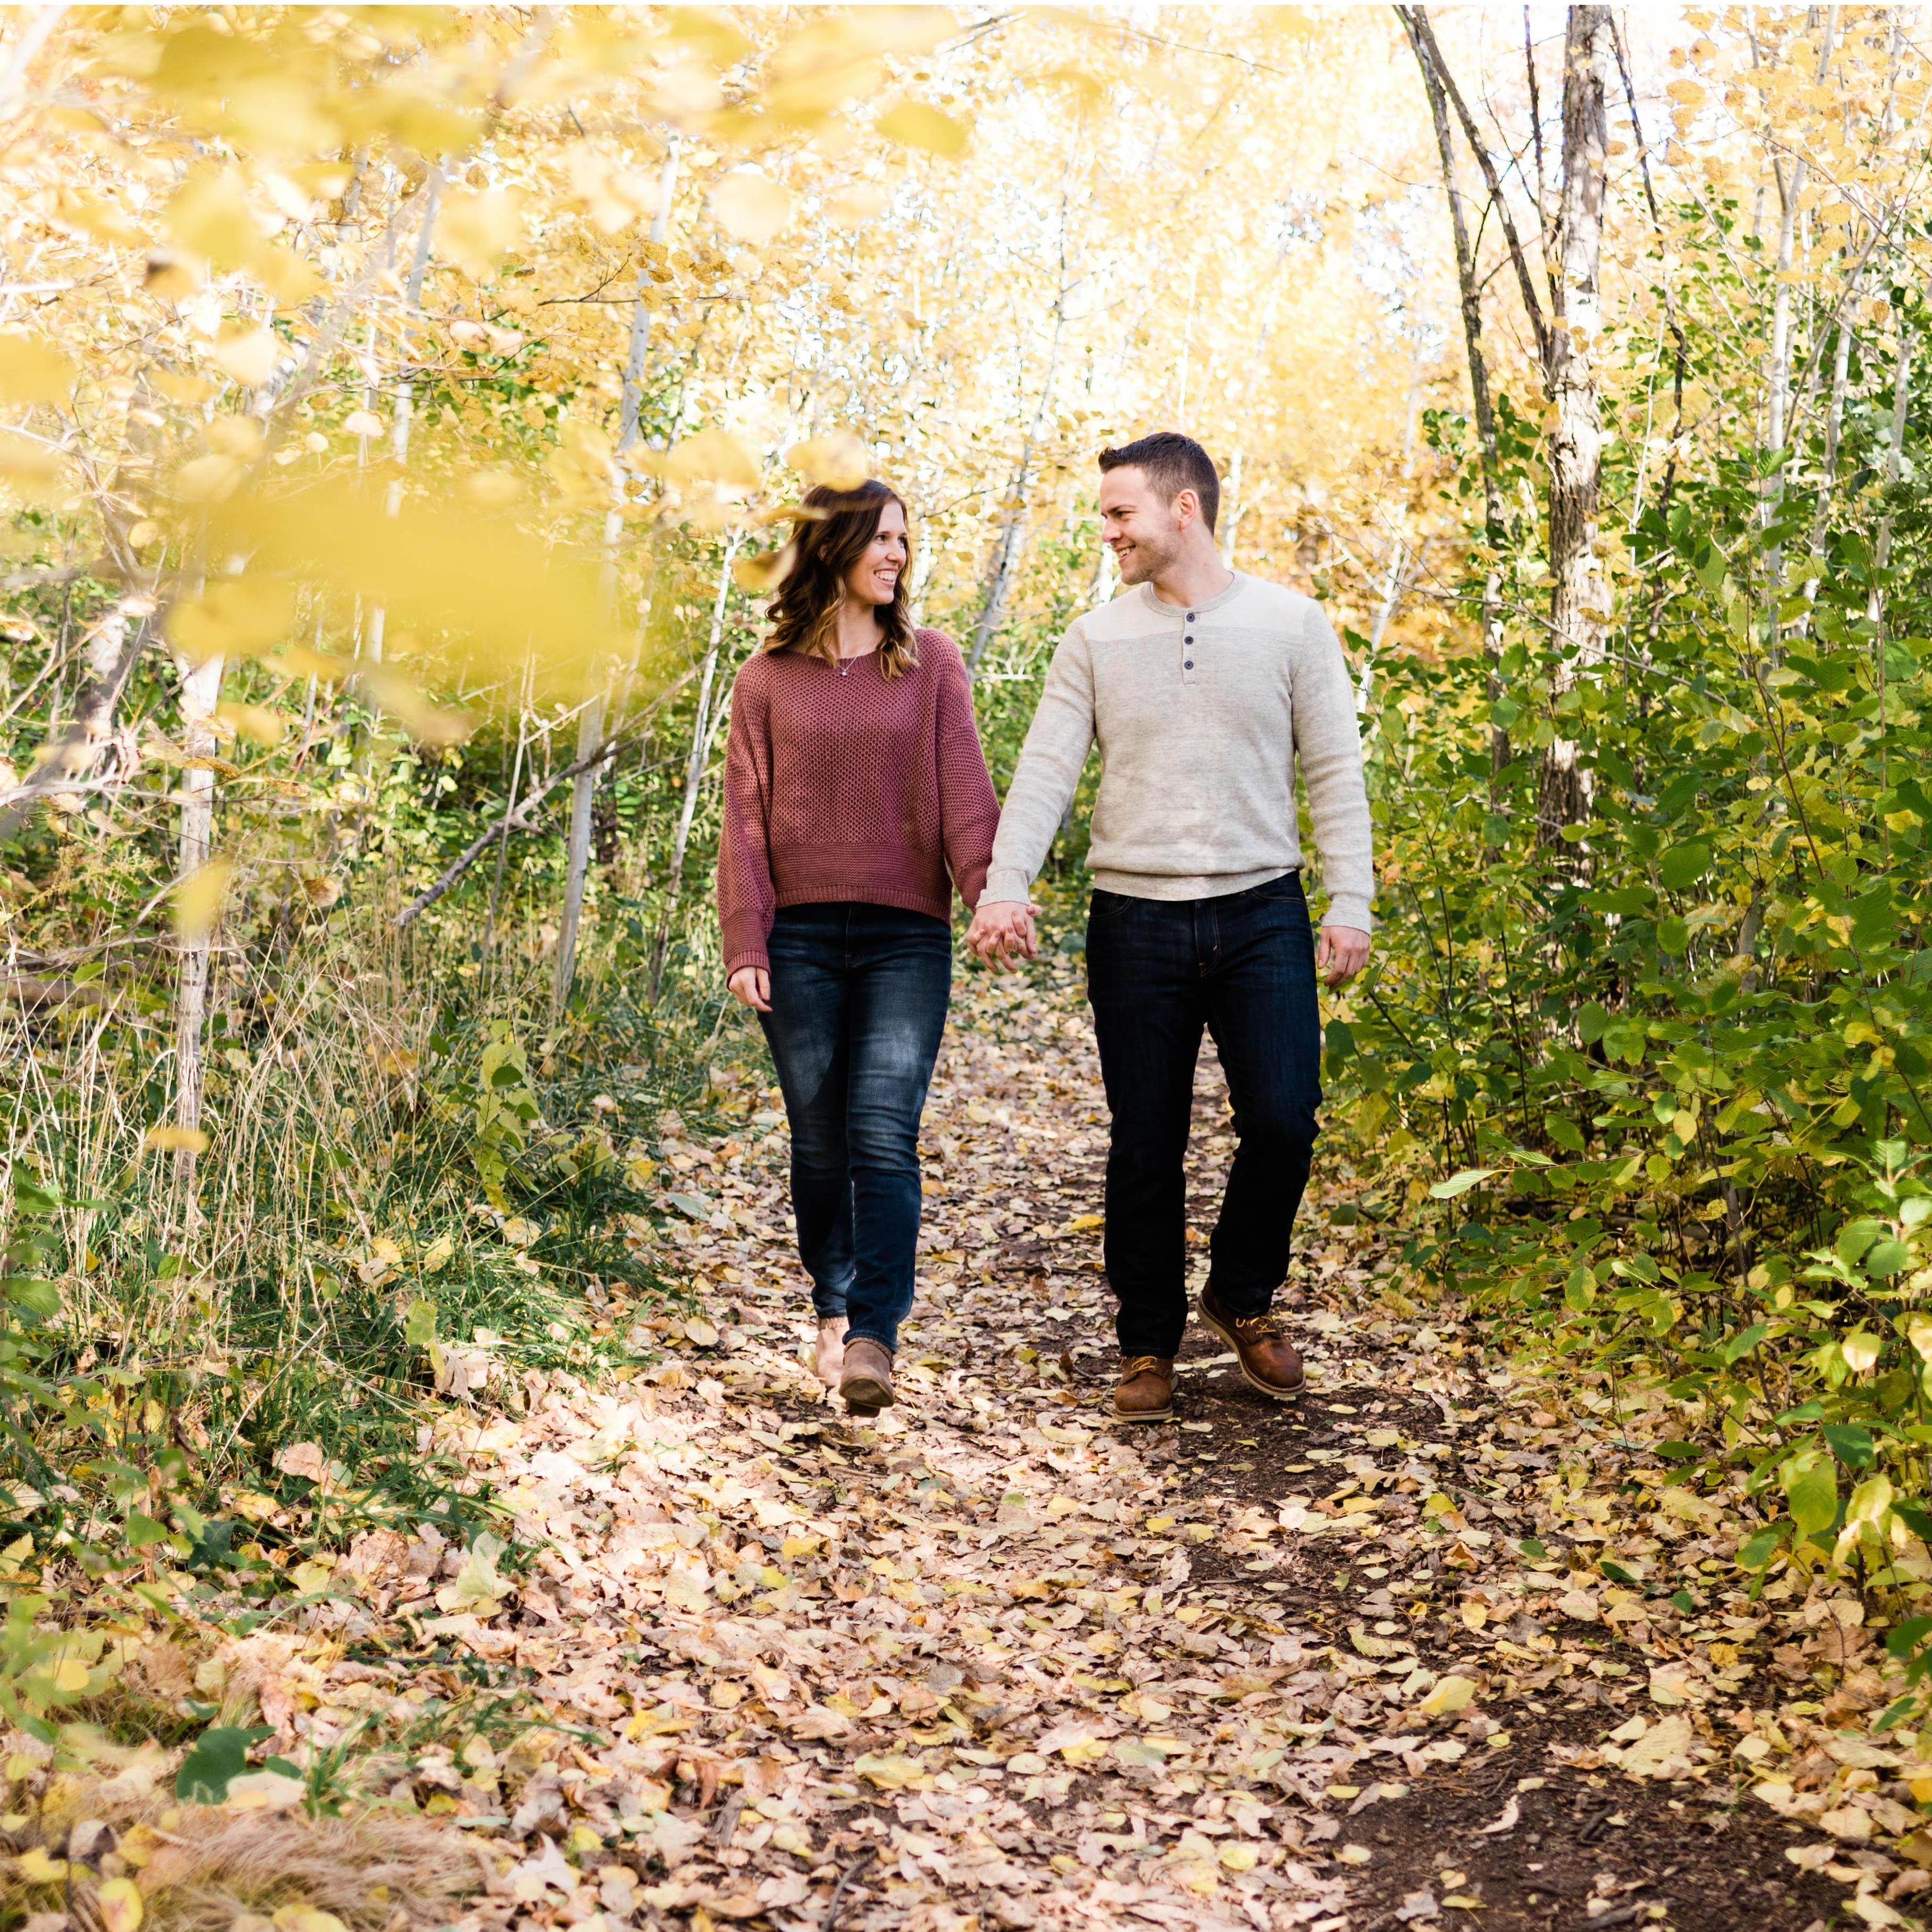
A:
(992, 1661)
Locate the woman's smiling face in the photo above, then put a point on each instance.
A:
(874, 578)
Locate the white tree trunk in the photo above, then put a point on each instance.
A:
(1395, 584)
(1579, 601)
(1875, 603)
(1007, 553)
(200, 692)
(1007, 557)
(694, 766)
(405, 393)
(590, 725)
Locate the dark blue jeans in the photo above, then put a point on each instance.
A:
(1158, 970)
(858, 999)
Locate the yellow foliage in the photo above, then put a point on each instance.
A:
(198, 899)
(751, 206)
(33, 371)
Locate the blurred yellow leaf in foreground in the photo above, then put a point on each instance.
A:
(32, 371)
(759, 576)
(751, 207)
(914, 124)
(839, 461)
(492, 593)
(198, 898)
(476, 231)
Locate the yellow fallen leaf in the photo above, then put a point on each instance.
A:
(1237, 1856)
(35, 1867)
(1451, 1693)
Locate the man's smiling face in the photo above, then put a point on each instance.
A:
(1139, 526)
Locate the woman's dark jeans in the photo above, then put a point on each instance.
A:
(858, 998)
(1158, 970)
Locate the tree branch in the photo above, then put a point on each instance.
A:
(1416, 18)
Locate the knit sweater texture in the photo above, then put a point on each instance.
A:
(1201, 716)
(851, 787)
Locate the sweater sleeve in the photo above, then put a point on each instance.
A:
(1057, 744)
(746, 897)
(1328, 748)
(969, 809)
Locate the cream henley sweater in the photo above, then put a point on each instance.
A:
(1200, 715)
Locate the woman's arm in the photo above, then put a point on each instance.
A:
(746, 896)
(969, 808)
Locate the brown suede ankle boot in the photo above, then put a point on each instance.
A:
(1145, 1390)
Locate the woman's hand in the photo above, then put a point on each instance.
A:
(752, 986)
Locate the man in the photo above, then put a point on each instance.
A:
(1204, 687)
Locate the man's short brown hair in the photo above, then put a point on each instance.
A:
(1172, 463)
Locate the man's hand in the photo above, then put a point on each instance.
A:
(752, 986)
(1002, 933)
(1340, 953)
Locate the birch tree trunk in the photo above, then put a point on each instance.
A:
(1470, 289)
(1007, 555)
(200, 692)
(1881, 558)
(694, 768)
(110, 653)
(405, 393)
(591, 721)
(1395, 584)
(1580, 600)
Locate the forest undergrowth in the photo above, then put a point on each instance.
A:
(1452, 1636)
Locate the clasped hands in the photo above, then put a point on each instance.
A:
(1003, 934)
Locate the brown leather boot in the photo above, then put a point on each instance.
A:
(866, 1382)
(1145, 1390)
(1267, 1358)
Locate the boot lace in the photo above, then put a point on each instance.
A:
(1253, 1328)
(1141, 1365)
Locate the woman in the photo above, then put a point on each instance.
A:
(854, 785)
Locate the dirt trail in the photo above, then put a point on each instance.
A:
(993, 1662)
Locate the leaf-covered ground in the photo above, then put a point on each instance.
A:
(1443, 1644)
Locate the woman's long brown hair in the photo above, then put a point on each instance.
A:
(833, 534)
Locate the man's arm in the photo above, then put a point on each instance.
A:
(1328, 749)
(1057, 744)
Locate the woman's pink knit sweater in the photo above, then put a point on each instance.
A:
(851, 786)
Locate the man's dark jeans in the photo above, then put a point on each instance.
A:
(1158, 970)
(858, 999)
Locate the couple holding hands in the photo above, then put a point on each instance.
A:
(857, 799)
